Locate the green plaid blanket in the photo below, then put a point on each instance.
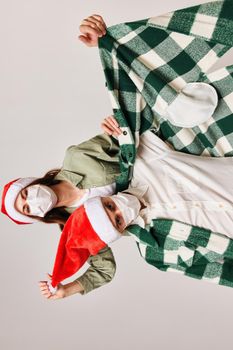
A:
(146, 64)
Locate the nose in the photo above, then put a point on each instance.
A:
(117, 211)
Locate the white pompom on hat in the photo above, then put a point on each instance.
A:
(9, 195)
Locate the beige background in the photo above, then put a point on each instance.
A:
(52, 95)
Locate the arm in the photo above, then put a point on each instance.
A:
(101, 271)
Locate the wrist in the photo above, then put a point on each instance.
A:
(72, 288)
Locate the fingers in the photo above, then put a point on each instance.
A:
(96, 22)
(87, 41)
(44, 289)
(86, 29)
(107, 130)
(100, 19)
(92, 28)
(45, 292)
(97, 27)
(111, 126)
(90, 36)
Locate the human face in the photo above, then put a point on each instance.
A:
(36, 200)
(113, 213)
(21, 202)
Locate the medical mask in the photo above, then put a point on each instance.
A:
(129, 206)
(40, 199)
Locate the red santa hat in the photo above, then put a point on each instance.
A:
(9, 195)
(86, 232)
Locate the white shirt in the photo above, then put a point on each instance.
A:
(193, 189)
(102, 191)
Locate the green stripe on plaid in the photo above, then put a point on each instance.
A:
(195, 252)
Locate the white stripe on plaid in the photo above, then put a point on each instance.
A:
(171, 256)
(127, 37)
(159, 106)
(113, 94)
(183, 40)
(215, 280)
(223, 146)
(208, 60)
(204, 24)
(186, 136)
(217, 243)
(180, 231)
(151, 60)
(219, 74)
(139, 82)
(125, 136)
(162, 20)
(229, 100)
(204, 126)
(178, 84)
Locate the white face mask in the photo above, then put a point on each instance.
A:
(40, 199)
(129, 206)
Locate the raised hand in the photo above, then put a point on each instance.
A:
(44, 289)
(92, 28)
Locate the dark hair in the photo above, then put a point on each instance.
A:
(56, 215)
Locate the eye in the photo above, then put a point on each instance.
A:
(26, 209)
(110, 206)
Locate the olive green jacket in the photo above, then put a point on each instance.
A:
(93, 163)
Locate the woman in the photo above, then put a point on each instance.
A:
(89, 169)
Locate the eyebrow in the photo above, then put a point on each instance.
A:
(22, 196)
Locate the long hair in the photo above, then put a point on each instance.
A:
(56, 215)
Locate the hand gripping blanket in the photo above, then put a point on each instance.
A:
(148, 64)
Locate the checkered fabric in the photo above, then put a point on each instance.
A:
(146, 64)
(182, 248)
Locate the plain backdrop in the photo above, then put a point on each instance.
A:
(52, 95)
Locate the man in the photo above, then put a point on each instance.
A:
(175, 192)
(173, 185)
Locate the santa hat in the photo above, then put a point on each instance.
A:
(9, 195)
(86, 232)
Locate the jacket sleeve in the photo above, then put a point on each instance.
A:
(101, 271)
